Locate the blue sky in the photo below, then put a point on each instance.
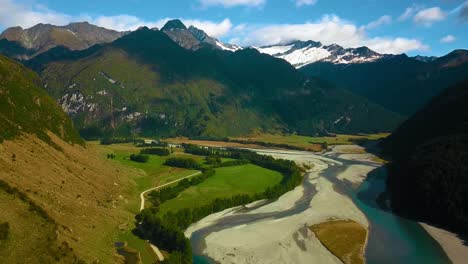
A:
(430, 27)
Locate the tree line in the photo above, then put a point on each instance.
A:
(187, 163)
(155, 151)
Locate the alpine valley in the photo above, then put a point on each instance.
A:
(171, 146)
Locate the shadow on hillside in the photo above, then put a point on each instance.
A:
(375, 195)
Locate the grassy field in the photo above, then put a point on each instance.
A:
(227, 182)
(345, 239)
(153, 173)
(311, 143)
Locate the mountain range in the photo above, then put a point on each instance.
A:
(141, 82)
(42, 37)
(146, 83)
(399, 83)
(25, 44)
(302, 53)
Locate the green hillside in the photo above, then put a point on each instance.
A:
(25, 107)
(146, 84)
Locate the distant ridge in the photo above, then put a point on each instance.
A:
(42, 37)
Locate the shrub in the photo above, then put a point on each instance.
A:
(4, 230)
(139, 158)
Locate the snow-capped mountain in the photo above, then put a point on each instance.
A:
(301, 53)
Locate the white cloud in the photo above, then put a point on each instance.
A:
(300, 3)
(430, 15)
(232, 3)
(329, 29)
(463, 9)
(215, 29)
(15, 14)
(383, 20)
(409, 12)
(121, 22)
(448, 39)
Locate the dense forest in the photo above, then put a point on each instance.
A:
(167, 230)
(429, 173)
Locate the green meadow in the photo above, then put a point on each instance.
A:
(227, 182)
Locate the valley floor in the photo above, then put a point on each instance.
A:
(279, 232)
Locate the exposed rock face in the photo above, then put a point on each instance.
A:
(75, 36)
(193, 38)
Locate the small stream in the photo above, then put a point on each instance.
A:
(391, 239)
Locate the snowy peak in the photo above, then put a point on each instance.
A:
(301, 53)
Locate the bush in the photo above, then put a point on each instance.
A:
(4, 230)
(156, 151)
(213, 160)
(139, 158)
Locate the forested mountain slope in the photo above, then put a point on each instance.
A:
(398, 83)
(429, 173)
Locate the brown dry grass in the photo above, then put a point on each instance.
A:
(85, 194)
(31, 237)
(344, 238)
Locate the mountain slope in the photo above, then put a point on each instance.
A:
(42, 37)
(429, 173)
(55, 194)
(25, 107)
(398, 83)
(144, 83)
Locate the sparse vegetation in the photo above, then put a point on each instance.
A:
(344, 238)
(22, 218)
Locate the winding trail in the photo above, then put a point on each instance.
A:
(142, 195)
(142, 206)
